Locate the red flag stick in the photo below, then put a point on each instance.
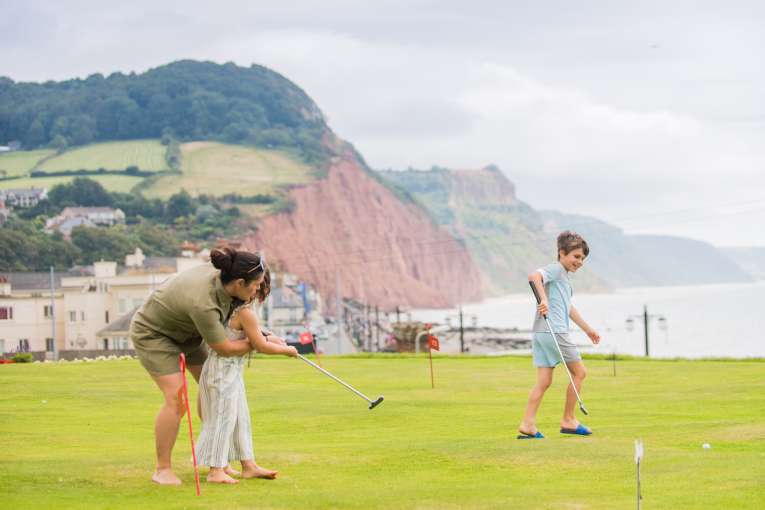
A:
(188, 414)
(430, 354)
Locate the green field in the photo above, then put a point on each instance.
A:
(123, 183)
(147, 155)
(216, 169)
(21, 162)
(80, 436)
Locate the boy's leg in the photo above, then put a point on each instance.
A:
(166, 427)
(544, 379)
(578, 373)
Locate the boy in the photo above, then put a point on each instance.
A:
(554, 287)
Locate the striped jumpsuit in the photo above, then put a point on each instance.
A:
(226, 429)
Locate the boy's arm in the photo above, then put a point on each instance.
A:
(536, 279)
(579, 321)
(257, 340)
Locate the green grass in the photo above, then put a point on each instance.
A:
(123, 183)
(145, 154)
(91, 444)
(217, 169)
(20, 162)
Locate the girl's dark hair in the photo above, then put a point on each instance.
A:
(265, 287)
(569, 241)
(234, 264)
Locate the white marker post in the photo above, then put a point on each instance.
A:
(638, 458)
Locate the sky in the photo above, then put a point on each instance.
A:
(649, 115)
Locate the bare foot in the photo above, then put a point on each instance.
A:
(165, 477)
(231, 471)
(573, 424)
(218, 475)
(255, 471)
(524, 428)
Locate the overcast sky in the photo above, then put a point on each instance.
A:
(649, 115)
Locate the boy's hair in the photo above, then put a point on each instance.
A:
(569, 241)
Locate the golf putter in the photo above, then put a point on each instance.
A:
(549, 327)
(372, 403)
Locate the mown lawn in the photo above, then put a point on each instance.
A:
(122, 183)
(18, 163)
(80, 436)
(217, 169)
(148, 155)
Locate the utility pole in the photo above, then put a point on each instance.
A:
(462, 333)
(53, 313)
(339, 313)
(646, 317)
(645, 328)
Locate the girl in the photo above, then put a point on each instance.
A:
(226, 429)
(554, 287)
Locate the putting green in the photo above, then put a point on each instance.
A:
(81, 436)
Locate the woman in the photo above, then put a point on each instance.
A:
(183, 315)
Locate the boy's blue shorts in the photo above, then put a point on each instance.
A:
(546, 354)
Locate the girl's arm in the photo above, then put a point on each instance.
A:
(574, 314)
(251, 328)
(536, 279)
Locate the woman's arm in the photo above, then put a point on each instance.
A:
(229, 348)
(574, 314)
(250, 326)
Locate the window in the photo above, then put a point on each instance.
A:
(2, 346)
(6, 313)
(82, 315)
(23, 345)
(106, 344)
(72, 316)
(48, 311)
(49, 345)
(106, 316)
(137, 302)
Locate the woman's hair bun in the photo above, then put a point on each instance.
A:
(223, 259)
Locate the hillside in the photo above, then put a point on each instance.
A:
(508, 237)
(258, 149)
(749, 258)
(505, 236)
(384, 251)
(190, 100)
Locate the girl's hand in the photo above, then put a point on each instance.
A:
(594, 336)
(542, 307)
(291, 352)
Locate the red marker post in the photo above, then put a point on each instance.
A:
(185, 396)
(432, 344)
(306, 338)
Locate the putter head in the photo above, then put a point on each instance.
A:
(376, 402)
(582, 408)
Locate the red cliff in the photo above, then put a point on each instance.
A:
(387, 252)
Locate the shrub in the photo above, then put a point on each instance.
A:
(23, 357)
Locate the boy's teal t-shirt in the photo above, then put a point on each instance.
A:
(559, 292)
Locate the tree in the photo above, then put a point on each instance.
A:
(81, 192)
(179, 205)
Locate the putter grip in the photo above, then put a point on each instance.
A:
(536, 294)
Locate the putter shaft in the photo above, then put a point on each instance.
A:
(372, 403)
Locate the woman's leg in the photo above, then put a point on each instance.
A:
(166, 426)
(544, 379)
(578, 373)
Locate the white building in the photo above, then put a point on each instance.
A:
(23, 197)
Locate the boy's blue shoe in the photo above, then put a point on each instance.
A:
(580, 430)
(524, 435)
